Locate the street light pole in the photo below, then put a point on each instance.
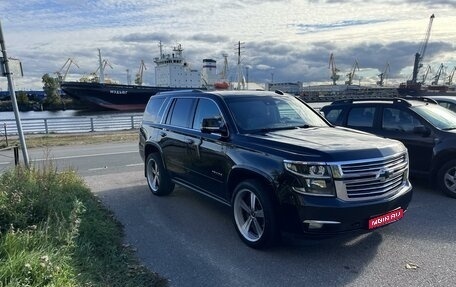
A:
(13, 99)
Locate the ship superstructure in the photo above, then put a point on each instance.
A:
(172, 70)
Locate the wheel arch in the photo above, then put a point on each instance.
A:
(441, 159)
(239, 174)
(151, 148)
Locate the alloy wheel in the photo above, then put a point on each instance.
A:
(153, 175)
(450, 179)
(249, 215)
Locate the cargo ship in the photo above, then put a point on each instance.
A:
(172, 72)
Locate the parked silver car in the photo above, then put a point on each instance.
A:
(448, 102)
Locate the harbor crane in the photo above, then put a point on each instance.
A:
(63, 72)
(450, 76)
(139, 75)
(425, 75)
(97, 77)
(334, 70)
(351, 75)
(103, 67)
(438, 74)
(383, 75)
(419, 56)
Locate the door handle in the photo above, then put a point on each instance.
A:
(189, 141)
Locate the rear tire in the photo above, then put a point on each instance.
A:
(157, 177)
(254, 215)
(447, 178)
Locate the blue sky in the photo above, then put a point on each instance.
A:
(286, 41)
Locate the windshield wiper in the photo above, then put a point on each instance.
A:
(447, 129)
(285, 128)
(305, 126)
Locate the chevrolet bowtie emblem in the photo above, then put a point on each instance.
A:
(383, 174)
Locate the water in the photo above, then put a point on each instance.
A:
(58, 114)
(35, 122)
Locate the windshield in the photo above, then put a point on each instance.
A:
(261, 113)
(438, 116)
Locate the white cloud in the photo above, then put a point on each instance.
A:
(295, 37)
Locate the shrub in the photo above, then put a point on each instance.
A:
(54, 232)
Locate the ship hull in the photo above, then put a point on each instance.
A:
(113, 96)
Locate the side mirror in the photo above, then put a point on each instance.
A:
(422, 130)
(214, 126)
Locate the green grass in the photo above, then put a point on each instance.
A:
(33, 141)
(54, 232)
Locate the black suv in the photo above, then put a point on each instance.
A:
(275, 161)
(425, 128)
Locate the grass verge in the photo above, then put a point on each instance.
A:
(33, 141)
(55, 232)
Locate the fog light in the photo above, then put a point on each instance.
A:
(317, 224)
(316, 183)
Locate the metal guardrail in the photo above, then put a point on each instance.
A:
(75, 124)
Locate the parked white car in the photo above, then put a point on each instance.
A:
(448, 102)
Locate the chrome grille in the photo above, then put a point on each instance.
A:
(379, 177)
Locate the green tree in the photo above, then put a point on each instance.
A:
(22, 98)
(51, 89)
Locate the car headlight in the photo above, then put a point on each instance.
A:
(313, 178)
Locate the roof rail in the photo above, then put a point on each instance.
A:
(394, 100)
(423, 99)
(402, 101)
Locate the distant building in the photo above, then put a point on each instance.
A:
(291, 88)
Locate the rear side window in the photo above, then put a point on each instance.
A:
(361, 117)
(154, 109)
(181, 113)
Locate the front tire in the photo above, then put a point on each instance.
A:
(254, 215)
(447, 178)
(157, 177)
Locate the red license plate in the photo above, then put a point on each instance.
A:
(386, 218)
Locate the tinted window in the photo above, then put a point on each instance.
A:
(181, 113)
(205, 109)
(399, 120)
(333, 115)
(361, 117)
(154, 108)
(273, 112)
(438, 116)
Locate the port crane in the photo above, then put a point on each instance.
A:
(351, 75)
(426, 73)
(383, 75)
(419, 56)
(139, 75)
(334, 70)
(450, 76)
(438, 74)
(94, 77)
(63, 72)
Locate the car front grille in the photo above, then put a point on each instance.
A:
(374, 178)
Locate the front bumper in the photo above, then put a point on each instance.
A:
(323, 215)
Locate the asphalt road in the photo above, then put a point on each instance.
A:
(94, 159)
(191, 240)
